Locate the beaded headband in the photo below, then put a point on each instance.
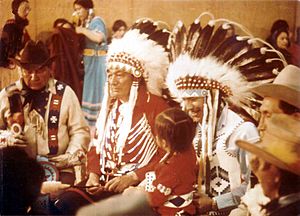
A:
(193, 86)
(126, 62)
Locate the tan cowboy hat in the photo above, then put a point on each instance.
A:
(34, 56)
(280, 144)
(286, 86)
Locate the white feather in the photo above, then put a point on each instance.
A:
(209, 68)
(152, 55)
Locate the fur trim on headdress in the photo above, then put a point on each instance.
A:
(140, 56)
(188, 77)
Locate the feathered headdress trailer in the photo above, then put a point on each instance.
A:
(205, 63)
(142, 52)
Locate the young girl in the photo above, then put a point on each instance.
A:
(170, 185)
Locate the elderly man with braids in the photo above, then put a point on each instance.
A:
(209, 74)
(124, 145)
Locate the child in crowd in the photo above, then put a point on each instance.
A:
(170, 185)
(119, 28)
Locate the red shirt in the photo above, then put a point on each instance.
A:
(175, 176)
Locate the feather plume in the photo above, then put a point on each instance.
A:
(192, 35)
(240, 62)
(234, 50)
(148, 49)
(202, 41)
(145, 25)
(161, 37)
(217, 38)
(247, 57)
(224, 45)
(177, 40)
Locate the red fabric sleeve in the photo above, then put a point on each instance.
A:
(93, 161)
(151, 165)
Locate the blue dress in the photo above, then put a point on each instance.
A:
(94, 73)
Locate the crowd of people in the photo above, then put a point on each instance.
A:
(201, 120)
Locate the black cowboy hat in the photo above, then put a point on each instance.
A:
(34, 56)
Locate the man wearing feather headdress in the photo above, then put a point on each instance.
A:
(210, 73)
(124, 144)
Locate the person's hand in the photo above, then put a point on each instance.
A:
(68, 160)
(120, 183)
(61, 161)
(18, 140)
(203, 203)
(93, 181)
(53, 187)
(80, 30)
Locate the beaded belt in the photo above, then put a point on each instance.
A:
(92, 52)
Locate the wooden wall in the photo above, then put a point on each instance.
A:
(256, 15)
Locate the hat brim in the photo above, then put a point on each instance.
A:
(280, 92)
(30, 66)
(258, 149)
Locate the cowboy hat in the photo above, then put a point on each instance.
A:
(34, 56)
(280, 144)
(285, 86)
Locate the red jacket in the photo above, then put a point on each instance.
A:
(173, 177)
(147, 104)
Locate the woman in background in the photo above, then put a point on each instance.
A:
(281, 42)
(279, 38)
(14, 34)
(94, 57)
(13, 38)
(118, 30)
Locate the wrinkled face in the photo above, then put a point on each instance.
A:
(282, 40)
(194, 107)
(269, 106)
(24, 9)
(267, 174)
(81, 12)
(36, 79)
(120, 32)
(119, 84)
